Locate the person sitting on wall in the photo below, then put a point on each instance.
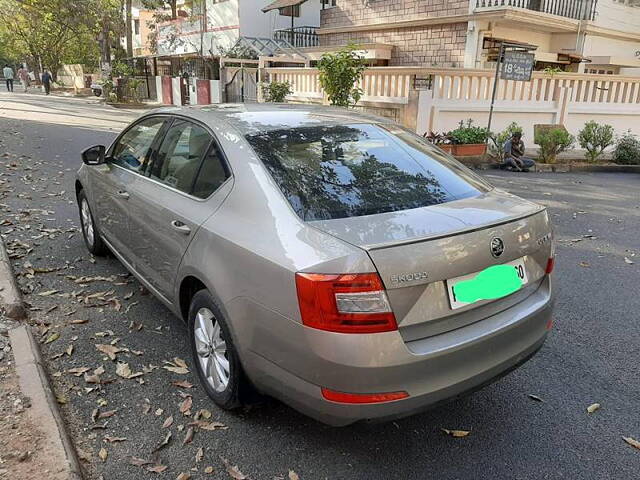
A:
(514, 158)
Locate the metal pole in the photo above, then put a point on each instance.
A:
(495, 87)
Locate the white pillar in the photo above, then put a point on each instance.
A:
(177, 93)
(216, 96)
(426, 112)
(158, 80)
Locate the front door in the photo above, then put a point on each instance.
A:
(173, 200)
(112, 181)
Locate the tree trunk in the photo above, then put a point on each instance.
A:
(105, 48)
(174, 9)
(129, 29)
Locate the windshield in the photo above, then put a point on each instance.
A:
(329, 172)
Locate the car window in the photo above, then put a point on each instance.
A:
(133, 148)
(180, 155)
(328, 172)
(212, 174)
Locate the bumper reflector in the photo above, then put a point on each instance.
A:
(341, 397)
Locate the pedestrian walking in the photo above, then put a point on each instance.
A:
(23, 75)
(46, 81)
(7, 71)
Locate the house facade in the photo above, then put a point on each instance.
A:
(212, 27)
(593, 36)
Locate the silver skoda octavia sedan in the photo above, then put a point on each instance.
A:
(329, 259)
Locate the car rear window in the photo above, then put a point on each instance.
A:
(329, 172)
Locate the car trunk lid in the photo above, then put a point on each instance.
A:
(417, 251)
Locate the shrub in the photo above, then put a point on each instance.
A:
(595, 138)
(498, 141)
(340, 73)
(552, 142)
(627, 151)
(469, 134)
(122, 69)
(276, 91)
(132, 85)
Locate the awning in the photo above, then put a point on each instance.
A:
(282, 4)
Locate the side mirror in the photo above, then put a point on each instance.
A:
(94, 155)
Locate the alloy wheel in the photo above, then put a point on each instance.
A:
(212, 350)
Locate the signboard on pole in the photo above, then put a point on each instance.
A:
(517, 66)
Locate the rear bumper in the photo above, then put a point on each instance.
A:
(431, 370)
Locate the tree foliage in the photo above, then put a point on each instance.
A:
(340, 73)
(552, 142)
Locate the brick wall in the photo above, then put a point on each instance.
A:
(442, 45)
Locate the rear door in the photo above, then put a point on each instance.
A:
(111, 182)
(177, 194)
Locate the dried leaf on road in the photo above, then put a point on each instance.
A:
(535, 397)
(103, 454)
(77, 372)
(139, 462)
(52, 338)
(186, 405)
(628, 261)
(174, 369)
(168, 422)
(114, 439)
(188, 438)
(585, 264)
(69, 350)
(208, 470)
(632, 441)
(592, 408)
(123, 370)
(157, 468)
(199, 455)
(109, 350)
(293, 475)
(210, 426)
(108, 414)
(233, 470)
(48, 293)
(164, 442)
(183, 476)
(456, 433)
(182, 384)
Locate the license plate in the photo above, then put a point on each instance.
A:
(518, 265)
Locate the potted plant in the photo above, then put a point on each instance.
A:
(441, 140)
(469, 140)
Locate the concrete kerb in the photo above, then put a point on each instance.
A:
(10, 296)
(44, 411)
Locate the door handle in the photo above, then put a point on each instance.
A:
(178, 226)
(123, 194)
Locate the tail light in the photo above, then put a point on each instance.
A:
(349, 303)
(341, 397)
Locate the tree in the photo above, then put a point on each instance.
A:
(128, 27)
(340, 73)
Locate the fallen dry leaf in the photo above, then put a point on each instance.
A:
(139, 462)
(168, 422)
(52, 338)
(103, 454)
(186, 405)
(69, 350)
(179, 362)
(123, 370)
(632, 441)
(182, 384)
(77, 372)
(628, 261)
(108, 414)
(456, 433)
(585, 264)
(157, 468)
(174, 369)
(293, 475)
(233, 470)
(109, 350)
(188, 438)
(208, 470)
(535, 397)
(183, 476)
(592, 408)
(210, 426)
(199, 455)
(114, 439)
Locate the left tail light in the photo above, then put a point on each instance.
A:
(345, 303)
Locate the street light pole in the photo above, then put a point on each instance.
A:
(495, 88)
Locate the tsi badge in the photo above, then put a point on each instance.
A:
(408, 277)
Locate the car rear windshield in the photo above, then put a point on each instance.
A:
(329, 172)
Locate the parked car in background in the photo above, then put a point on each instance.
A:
(330, 259)
(96, 88)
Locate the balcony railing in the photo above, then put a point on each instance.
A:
(300, 37)
(576, 9)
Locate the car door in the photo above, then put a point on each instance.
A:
(111, 181)
(179, 192)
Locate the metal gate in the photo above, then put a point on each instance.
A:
(241, 84)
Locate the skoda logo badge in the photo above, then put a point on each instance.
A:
(497, 247)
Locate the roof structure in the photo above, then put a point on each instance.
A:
(282, 4)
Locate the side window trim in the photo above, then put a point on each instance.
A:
(212, 144)
(157, 143)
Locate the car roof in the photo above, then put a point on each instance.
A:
(251, 118)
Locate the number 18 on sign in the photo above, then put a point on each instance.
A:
(517, 66)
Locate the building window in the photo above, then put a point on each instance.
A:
(328, 3)
(292, 11)
(136, 27)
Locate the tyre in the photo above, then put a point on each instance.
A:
(90, 232)
(214, 354)
(97, 93)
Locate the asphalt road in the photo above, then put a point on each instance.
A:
(591, 356)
